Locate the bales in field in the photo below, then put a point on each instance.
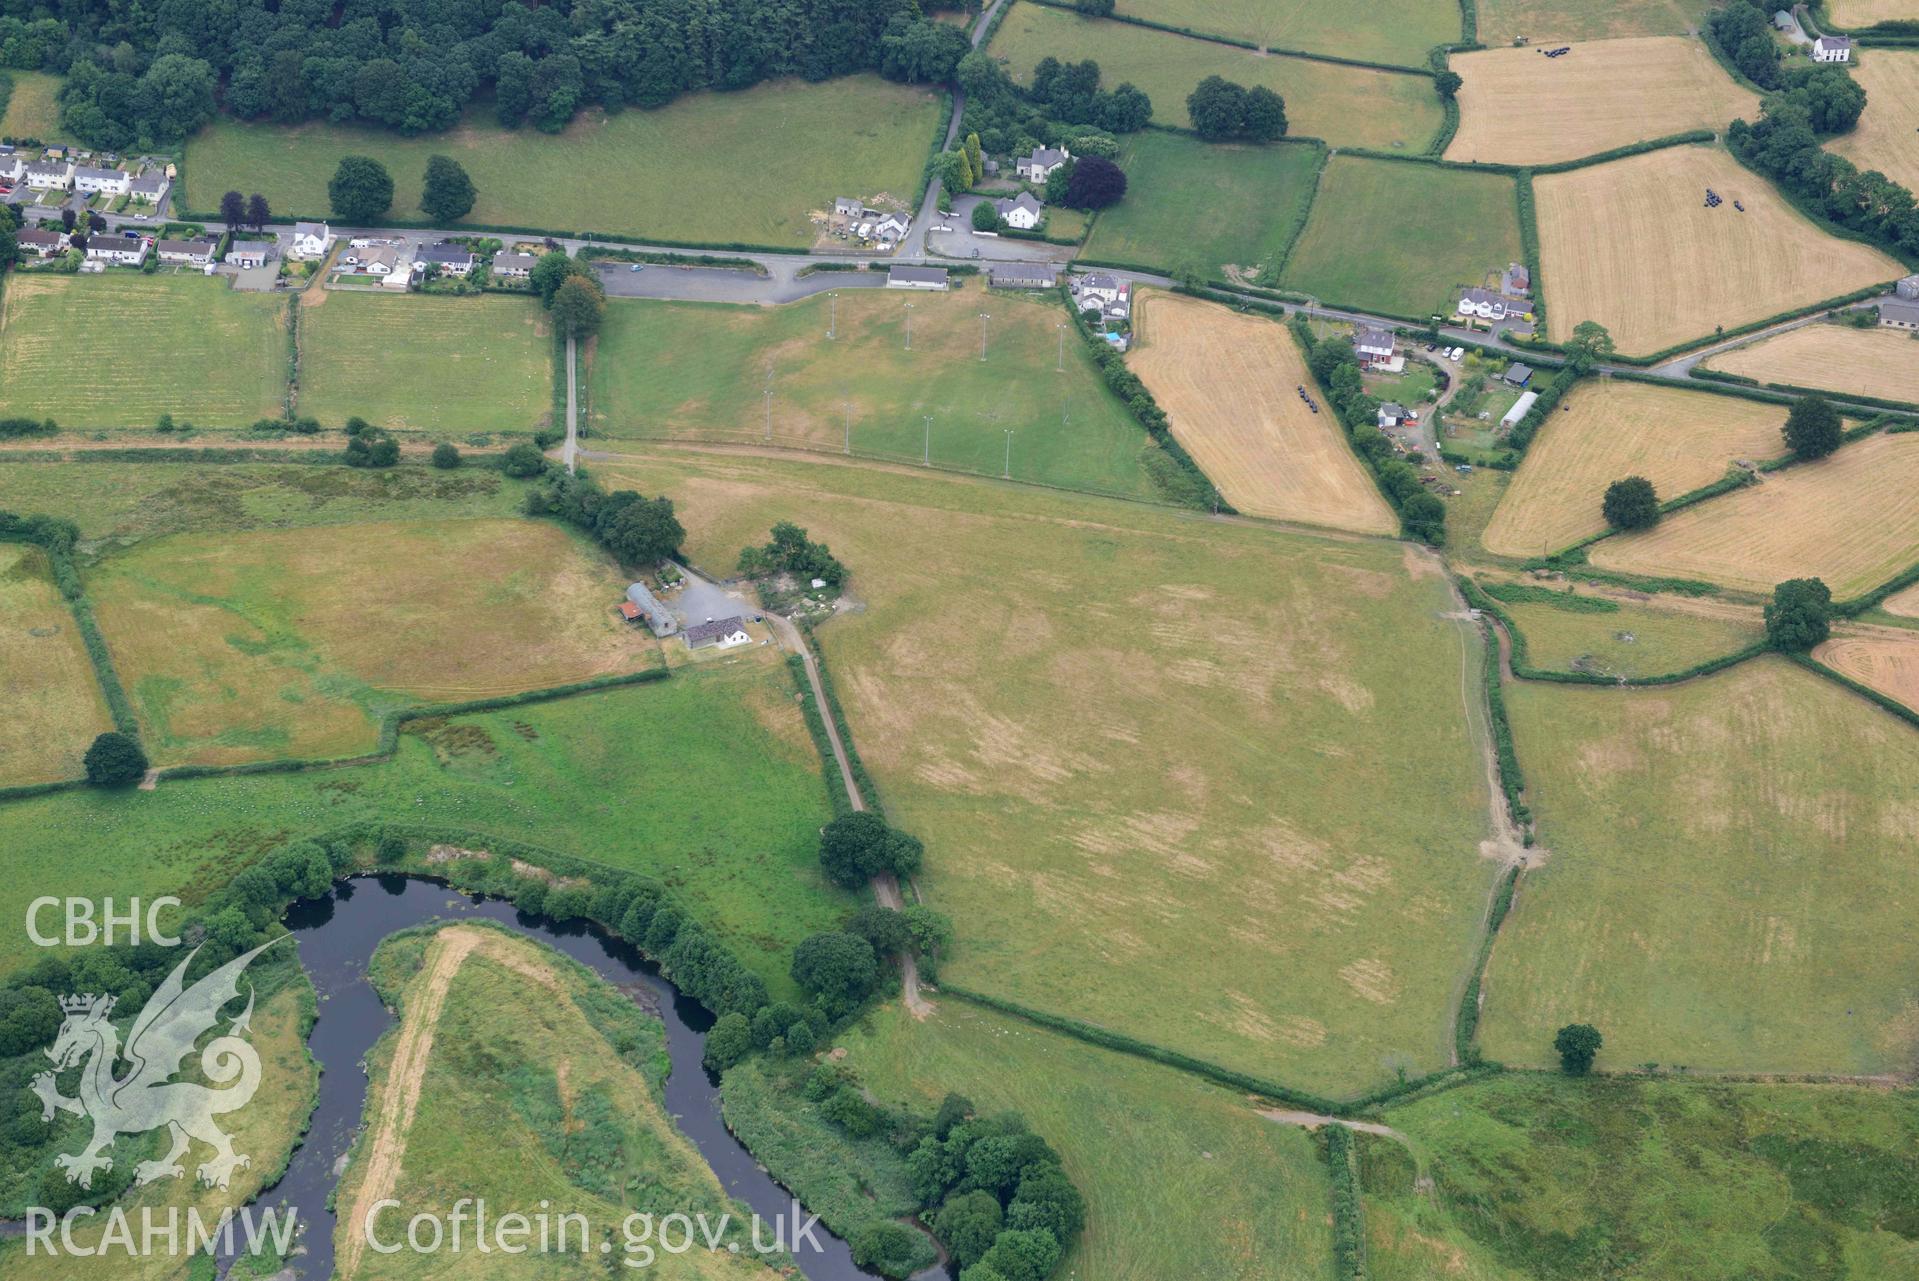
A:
(1606, 431)
(1229, 383)
(273, 645)
(54, 704)
(1518, 107)
(443, 364)
(1885, 658)
(1851, 519)
(1552, 22)
(1632, 245)
(119, 350)
(1729, 885)
(1393, 31)
(1887, 135)
(1344, 105)
(1867, 362)
(1401, 238)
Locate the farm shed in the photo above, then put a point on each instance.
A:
(1899, 315)
(250, 253)
(1391, 414)
(1520, 409)
(641, 604)
(1517, 374)
(1908, 288)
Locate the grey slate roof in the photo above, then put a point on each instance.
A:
(88, 171)
(708, 632)
(1906, 313)
(1517, 374)
(37, 236)
(657, 616)
(444, 254)
(917, 275)
(1047, 156)
(1024, 200)
(310, 229)
(1031, 275)
(198, 248)
(155, 183)
(513, 262)
(251, 248)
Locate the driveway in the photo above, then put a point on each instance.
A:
(959, 240)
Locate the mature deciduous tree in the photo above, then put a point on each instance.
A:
(446, 192)
(1799, 616)
(1813, 429)
(361, 189)
(1630, 504)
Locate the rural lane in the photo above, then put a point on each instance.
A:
(886, 888)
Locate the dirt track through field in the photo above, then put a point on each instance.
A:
(1230, 385)
(400, 1094)
(1632, 245)
(1867, 362)
(1520, 107)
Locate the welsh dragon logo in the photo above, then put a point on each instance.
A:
(145, 1098)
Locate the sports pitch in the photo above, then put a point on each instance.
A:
(1520, 107)
(1229, 383)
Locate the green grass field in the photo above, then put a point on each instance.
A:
(1201, 205)
(54, 704)
(801, 144)
(423, 363)
(1398, 32)
(123, 503)
(1633, 641)
(707, 781)
(1727, 886)
(120, 349)
(1346, 106)
(1181, 1179)
(541, 1086)
(1151, 753)
(262, 648)
(1539, 1177)
(33, 109)
(700, 371)
(1399, 238)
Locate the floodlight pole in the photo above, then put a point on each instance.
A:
(849, 426)
(926, 447)
(909, 326)
(1060, 365)
(983, 318)
(769, 413)
(1007, 472)
(832, 315)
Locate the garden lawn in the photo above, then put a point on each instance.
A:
(1197, 205)
(1132, 740)
(1346, 106)
(294, 643)
(1398, 31)
(1402, 238)
(427, 363)
(1537, 1176)
(767, 158)
(1727, 885)
(701, 371)
(706, 781)
(1181, 1179)
(120, 349)
(53, 702)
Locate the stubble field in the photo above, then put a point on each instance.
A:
(120, 349)
(1520, 107)
(1884, 658)
(266, 647)
(1869, 362)
(1851, 519)
(1887, 135)
(1400, 238)
(1229, 383)
(1726, 886)
(1548, 22)
(1347, 106)
(1854, 14)
(1131, 740)
(54, 705)
(1631, 245)
(423, 363)
(1679, 440)
(700, 371)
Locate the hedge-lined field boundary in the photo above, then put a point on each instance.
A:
(1690, 137)
(1231, 41)
(66, 579)
(1665, 354)
(1521, 660)
(1867, 692)
(869, 790)
(1466, 1023)
(1348, 1209)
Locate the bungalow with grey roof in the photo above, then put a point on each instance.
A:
(119, 251)
(513, 266)
(39, 242)
(723, 633)
(197, 253)
(901, 276)
(454, 260)
(1039, 166)
(111, 182)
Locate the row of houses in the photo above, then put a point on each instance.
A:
(50, 172)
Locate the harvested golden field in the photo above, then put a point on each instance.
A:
(1905, 604)
(1887, 659)
(293, 642)
(1867, 362)
(1887, 135)
(1130, 738)
(54, 706)
(1521, 107)
(1632, 245)
(1608, 430)
(1229, 382)
(1855, 14)
(1851, 519)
